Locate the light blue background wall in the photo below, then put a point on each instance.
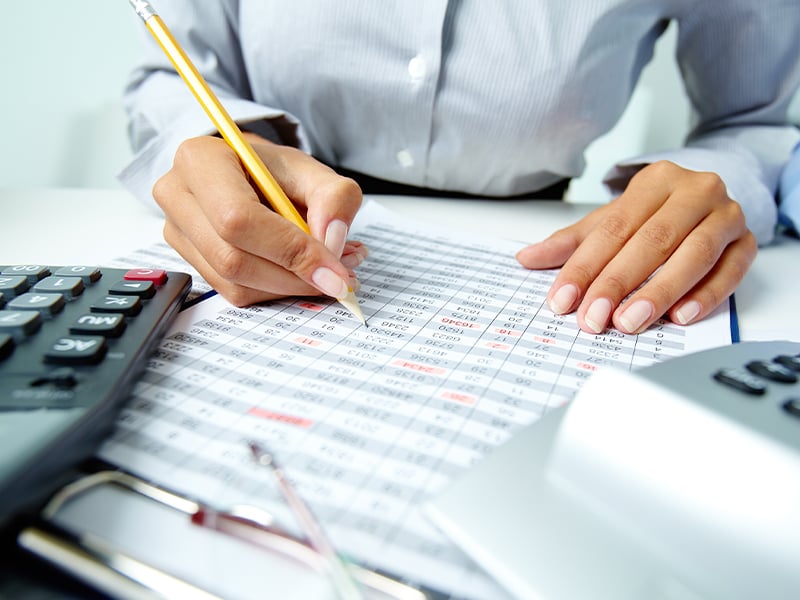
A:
(64, 66)
(62, 71)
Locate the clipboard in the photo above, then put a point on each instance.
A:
(131, 539)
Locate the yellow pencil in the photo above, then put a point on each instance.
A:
(228, 129)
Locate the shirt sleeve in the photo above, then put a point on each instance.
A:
(789, 193)
(741, 69)
(160, 107)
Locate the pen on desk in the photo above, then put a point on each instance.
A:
(256, 527)
(228, 129)
(346, 585)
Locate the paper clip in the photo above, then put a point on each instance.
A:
(109, 569)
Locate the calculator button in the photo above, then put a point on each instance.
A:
(772, 371)
(741, 381)
(47, 304)
(6, 345)
(107, 325)
(127, 305)
(77, 350)
(62, 377)
(20, 322)
(32, 272)
(792, 406)
(143, 289)
(13, 285)
(788, 361)
(71, 287)
(157, 276)
(87, 274)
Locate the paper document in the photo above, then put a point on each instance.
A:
(460, 352)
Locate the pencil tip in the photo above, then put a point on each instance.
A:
(351, 303)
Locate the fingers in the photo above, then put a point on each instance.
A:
(354, 254)
(675, 223)
(718, 284)
(639, 235)
(233, 272)
(330, 200)
(700, 275)
(237, 294)
(554, 251)
(216, 220)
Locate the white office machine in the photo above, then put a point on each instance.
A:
(680, 481)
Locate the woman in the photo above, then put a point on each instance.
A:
(489, 99)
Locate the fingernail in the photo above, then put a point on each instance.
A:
(329, 283)
(635, 315)
(335, 237)
(361, 250)
(354, 284)
(352, 260)
(686, 313)
(597, 315)
(564, 298)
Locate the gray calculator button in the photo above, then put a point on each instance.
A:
(792, 406)
(788, 361)
(60, 377)
(46, 304)
(143, 289)
(77, 350)
(13, 285)
(741, 381)
(126, 305)
(71, 287)
(107, 325)
(772, 371)
(88, 274)
(20, 322)
(33, 272)
(6, 345)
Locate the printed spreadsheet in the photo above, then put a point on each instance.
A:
(459, 352)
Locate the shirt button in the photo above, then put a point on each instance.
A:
(405, 158)
(417, 67)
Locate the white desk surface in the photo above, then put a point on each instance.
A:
(89, 226)
(80, 226)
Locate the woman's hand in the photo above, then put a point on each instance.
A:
(677, 225)
(216, 220)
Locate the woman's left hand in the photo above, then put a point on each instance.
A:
(676, 225)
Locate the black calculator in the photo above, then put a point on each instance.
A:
(72, 341)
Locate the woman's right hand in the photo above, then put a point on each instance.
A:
(216, 220)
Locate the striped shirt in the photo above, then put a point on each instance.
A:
(486, 97)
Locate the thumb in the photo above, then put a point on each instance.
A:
(556, 249)
(551, 252)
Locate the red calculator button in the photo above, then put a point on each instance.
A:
(157, 276)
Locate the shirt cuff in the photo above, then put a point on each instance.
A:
(789, 193)
(155, 158)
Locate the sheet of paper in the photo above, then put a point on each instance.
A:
(459, 352)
